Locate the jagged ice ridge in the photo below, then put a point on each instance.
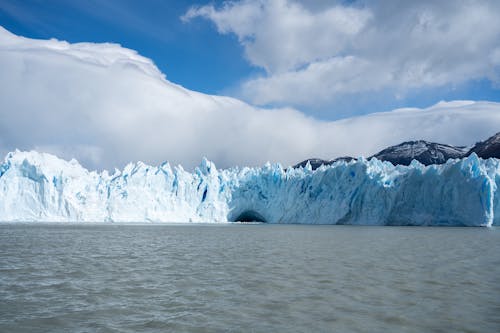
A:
(41, 187)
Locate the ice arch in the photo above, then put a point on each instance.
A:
(249, 216)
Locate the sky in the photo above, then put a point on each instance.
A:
(415, 53)
(301, 76)
(154, 28)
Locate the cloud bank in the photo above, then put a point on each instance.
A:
(316, 55)
(107, 105)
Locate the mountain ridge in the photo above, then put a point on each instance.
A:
(425, 152)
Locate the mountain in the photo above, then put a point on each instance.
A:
(317, 162)
(488, 148)
(425, 152)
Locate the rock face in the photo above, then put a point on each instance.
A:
(313, 162)
(425, 152)
(317, 162)
(488, 148)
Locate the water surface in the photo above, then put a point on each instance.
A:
(248, 278)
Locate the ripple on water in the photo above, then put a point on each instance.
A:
(260, 278)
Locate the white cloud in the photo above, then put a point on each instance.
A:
(106, 105)
(313, 57)
(280, 35)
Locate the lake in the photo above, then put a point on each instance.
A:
(248, 278)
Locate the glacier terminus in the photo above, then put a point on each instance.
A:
(462, 192)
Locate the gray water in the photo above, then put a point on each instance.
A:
(248, 278)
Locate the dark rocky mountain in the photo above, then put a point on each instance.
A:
(488, 148)
(425, 152)
(317, 162)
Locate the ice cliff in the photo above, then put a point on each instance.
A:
(41, 187)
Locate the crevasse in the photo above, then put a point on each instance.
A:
(41, 187)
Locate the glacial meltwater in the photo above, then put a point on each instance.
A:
(248, 278)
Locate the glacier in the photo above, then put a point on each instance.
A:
(462, 192)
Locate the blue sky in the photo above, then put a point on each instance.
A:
(210, 54)
(193, 55)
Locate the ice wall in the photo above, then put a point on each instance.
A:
(41, 187)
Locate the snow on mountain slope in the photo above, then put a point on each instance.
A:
(106, 105)
(315, 163)
(41, 187)
(425, 152)
(488, 148)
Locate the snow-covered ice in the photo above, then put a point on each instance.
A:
(41, 187)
